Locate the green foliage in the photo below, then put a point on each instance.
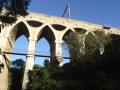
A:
(39, 78)
(102, 37)
(93, 43)
(9, 73)
(112, 50)
(16, 74)
(46, 63)
(79, 44)
(90, 71)
(11, 9)
(75, 43)
(18, 63)
(54, 63)
(77, 75)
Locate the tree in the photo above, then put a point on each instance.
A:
(18, 63)
(99, 72)
(16, 74)
(39, 78)
(11, 9)
(80, 44)
(75, 42)
(94, 44)
(46, 63)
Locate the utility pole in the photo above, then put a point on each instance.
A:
(68, 7)
(69, 10)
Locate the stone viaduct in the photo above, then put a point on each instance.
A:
(34, 27)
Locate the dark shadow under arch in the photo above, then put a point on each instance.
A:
(34, 23)
(47, 33)
(58, 27)
(22, 30)
(66, 34)
(17, 31)
(80, 30)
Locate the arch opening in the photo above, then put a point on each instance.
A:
(47, 36)
(47, 33)
(19, 47)
(65, 50)
(42, 48)
(17, 31)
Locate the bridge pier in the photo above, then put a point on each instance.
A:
(3, 74)
(4, 43)
(58, 52)
(28, 70)
(29, 64)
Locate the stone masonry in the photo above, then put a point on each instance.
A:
(34, 27)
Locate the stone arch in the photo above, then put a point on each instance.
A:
(15, 26)
(47, 32)
(14, 33)
(65, 32)
(41, 30)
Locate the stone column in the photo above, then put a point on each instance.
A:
(4, 43)
(29, 63)
(58, 52)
